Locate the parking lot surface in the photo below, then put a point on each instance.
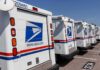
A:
(89, 60)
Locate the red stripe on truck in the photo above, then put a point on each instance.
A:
(26, 50)
(32, 49)
(56, 41)
(64, 41)
(6, 54)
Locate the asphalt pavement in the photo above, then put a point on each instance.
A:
(88, 60)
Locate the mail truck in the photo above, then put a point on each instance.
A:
(82, 35)
(26, 40)
(64, 36)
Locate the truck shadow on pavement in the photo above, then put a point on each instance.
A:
(81, 53)
(63, 61)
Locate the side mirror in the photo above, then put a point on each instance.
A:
(6, 5)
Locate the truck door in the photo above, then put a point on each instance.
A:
(69, 36)
(69, 32)
(32, 37)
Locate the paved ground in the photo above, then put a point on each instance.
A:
(79, 62)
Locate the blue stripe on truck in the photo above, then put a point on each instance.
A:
(22, 55)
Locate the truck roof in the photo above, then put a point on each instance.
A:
(63, 18)
(81, 22)
(31, 8)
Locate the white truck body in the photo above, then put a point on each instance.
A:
(82, 35)
(90, 34)
(98, 33)
(34, 48)
(93, 34)
(64, 36)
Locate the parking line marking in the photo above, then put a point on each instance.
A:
(78, 57)
(94, 51)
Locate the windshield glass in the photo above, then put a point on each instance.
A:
(85, 31)
(97, 29)
(79, 27)
(90, 28)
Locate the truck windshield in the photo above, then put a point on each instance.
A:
(85, 31)
(90, 28)
(79, 27)
(97, 29)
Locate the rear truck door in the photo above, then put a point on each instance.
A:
(86, 35)
(32, 38)
(69, 33)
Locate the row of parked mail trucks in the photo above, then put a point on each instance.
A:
(31, 38)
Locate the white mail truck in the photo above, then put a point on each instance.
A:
(82, 35)
(26, 42)
(90, 34)
(98, 33)
(64, 37)
(93, 34)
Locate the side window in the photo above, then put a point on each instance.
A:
(79, 28)
(90, 29)
(85, 31)
(93, 31)
(97, 30)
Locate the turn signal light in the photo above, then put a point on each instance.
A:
(51, 26)
(12, 21)
(13, 32)
(52, 38)
(14, 51)
(14, 42)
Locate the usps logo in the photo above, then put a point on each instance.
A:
(34, 31)
(69, 31)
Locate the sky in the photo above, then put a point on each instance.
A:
(86, 10)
